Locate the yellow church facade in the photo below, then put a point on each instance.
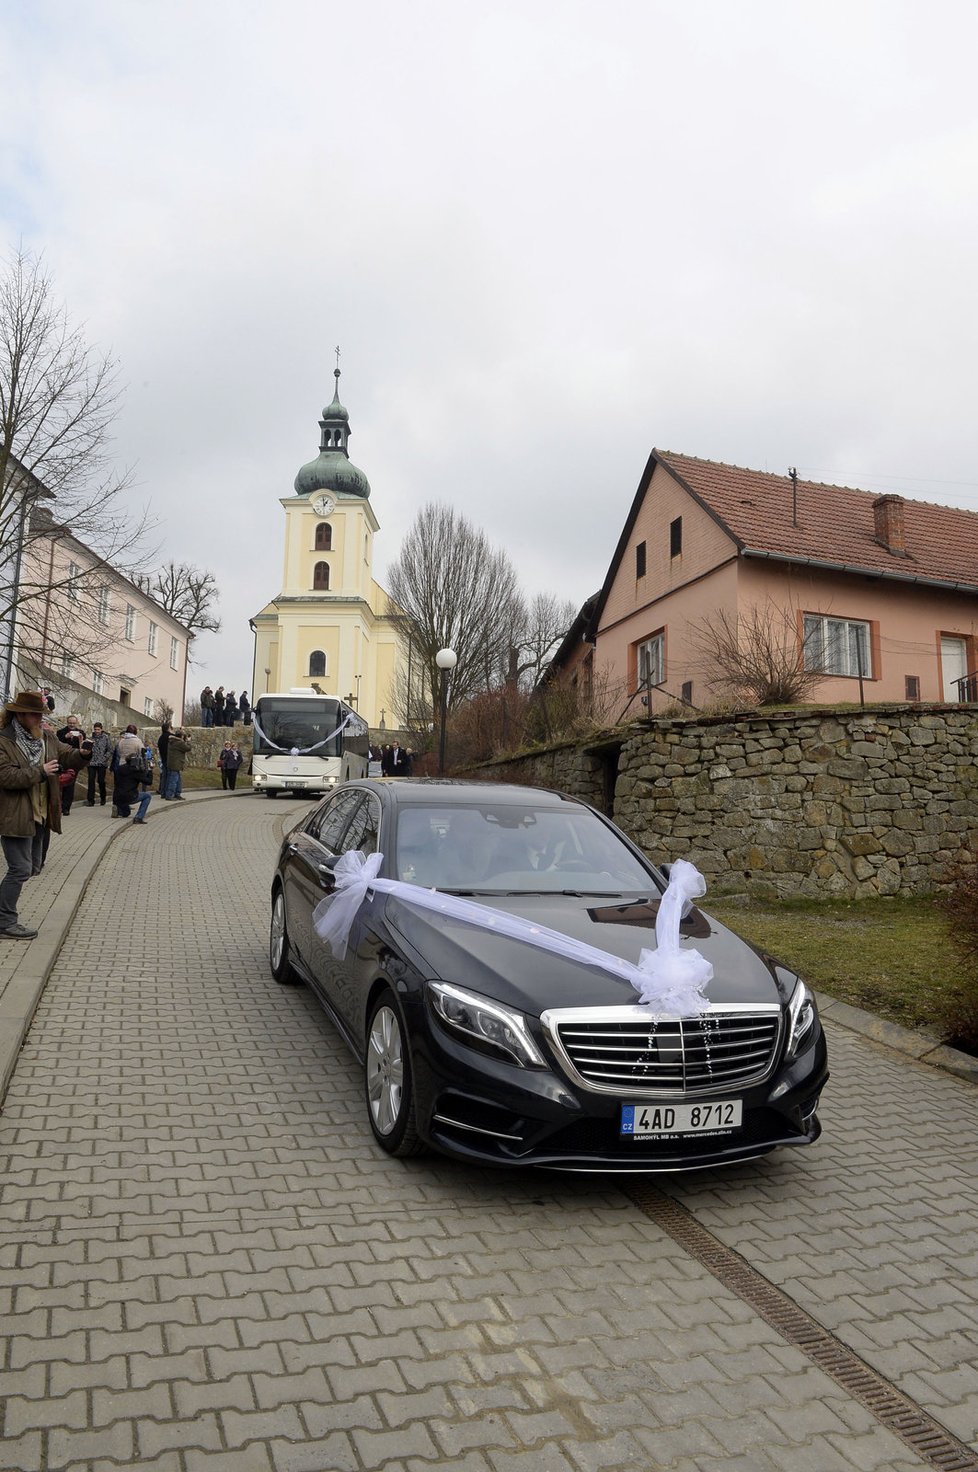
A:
(331, 626)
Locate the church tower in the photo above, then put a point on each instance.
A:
(331, 625)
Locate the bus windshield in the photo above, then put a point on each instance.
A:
(283, 723)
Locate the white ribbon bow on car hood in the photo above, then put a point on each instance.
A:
(669, 980)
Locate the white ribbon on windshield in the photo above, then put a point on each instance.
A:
(299, 750)
(668, 980)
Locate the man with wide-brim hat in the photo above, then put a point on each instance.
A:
(30, 798)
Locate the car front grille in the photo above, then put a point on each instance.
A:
(626, 1051)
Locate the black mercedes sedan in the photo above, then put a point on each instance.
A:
(504, 1053)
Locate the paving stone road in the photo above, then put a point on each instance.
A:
(206, 1264)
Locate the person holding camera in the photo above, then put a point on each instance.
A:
(31, 760)
(176, 756)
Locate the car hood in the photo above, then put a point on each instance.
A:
(528, 978)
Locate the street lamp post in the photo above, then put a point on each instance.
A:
(446, 660)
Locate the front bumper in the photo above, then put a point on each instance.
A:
(475, 1108)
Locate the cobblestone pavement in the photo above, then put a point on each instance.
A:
(205, 1263)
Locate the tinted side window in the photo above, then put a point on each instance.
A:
(328, 823)
(364, 827)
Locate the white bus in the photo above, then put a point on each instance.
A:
(306, 743)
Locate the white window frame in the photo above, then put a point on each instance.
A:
(147, 706)
(103, 604)
(151, 638)
(67, 666)
(98, 682)
(650, 660)
(74, 573)
(838, 646)
(174, 651)
(131, 622)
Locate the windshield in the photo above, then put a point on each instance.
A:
(505, 849)
(301, 723)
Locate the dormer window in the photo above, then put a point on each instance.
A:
(324, 537)
(320, 577)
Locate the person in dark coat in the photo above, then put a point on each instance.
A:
(244, 707)
(230, 708)
(71, 734)
(162, 742)
(99, 745)
(133, 776)
(229, 761)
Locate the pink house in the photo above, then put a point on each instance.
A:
(878, 591)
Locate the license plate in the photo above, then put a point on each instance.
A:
(717, 1117)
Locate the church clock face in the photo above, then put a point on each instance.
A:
(323, 505)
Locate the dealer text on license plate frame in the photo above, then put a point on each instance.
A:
(718, 1116)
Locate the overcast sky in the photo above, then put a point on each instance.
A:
(546, 235)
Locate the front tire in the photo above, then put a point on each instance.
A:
(278, 944)
(388, 1082)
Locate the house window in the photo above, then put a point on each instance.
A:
(640, 560)
(317, 662)
(147, 707)
(912, 686)
(676, 537)
(687, 692)
(151, 641)
(837, 646)
(174, 651)
(650, 660)
(103, 604)
(320, 576)
(67, 666)
(130, 622)
(74, 573)
(98, 682)
(324, 537)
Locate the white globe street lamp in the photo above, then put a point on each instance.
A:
(446, 660)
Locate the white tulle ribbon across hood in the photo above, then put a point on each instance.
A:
(669, 980)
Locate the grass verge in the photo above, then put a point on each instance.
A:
(893, 957)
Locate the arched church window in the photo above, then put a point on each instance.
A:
(324, 537)
(317, 663)
(320, 576)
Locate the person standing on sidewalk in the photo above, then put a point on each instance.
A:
(162, 745)
(229, 761)
(133, 772)
(30, 806)
(176, 755)
(72, 735)
(100, 746)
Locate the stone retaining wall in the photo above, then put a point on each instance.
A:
(861, 803)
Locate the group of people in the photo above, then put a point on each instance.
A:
(395, 760)
(222, 708)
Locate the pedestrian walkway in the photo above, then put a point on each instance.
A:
(205, 1263)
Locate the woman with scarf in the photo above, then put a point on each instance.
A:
(31, 759)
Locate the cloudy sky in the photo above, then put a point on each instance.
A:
(547, 236)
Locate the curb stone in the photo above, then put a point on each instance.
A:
(923, 1046)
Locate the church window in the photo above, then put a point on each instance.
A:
(320, 576)
(324, 537)
(317, 663)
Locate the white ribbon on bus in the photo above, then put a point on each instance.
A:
(669, 980)
(299, 750)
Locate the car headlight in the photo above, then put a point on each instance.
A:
(801, 1019)
(485, 1025)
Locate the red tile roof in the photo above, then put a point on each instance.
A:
(835, 523)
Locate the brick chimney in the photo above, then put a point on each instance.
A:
(888, 519)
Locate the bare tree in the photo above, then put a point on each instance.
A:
(185, 592)
(58, 400)
(454, 591)
(535, 631)
(758, 657)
